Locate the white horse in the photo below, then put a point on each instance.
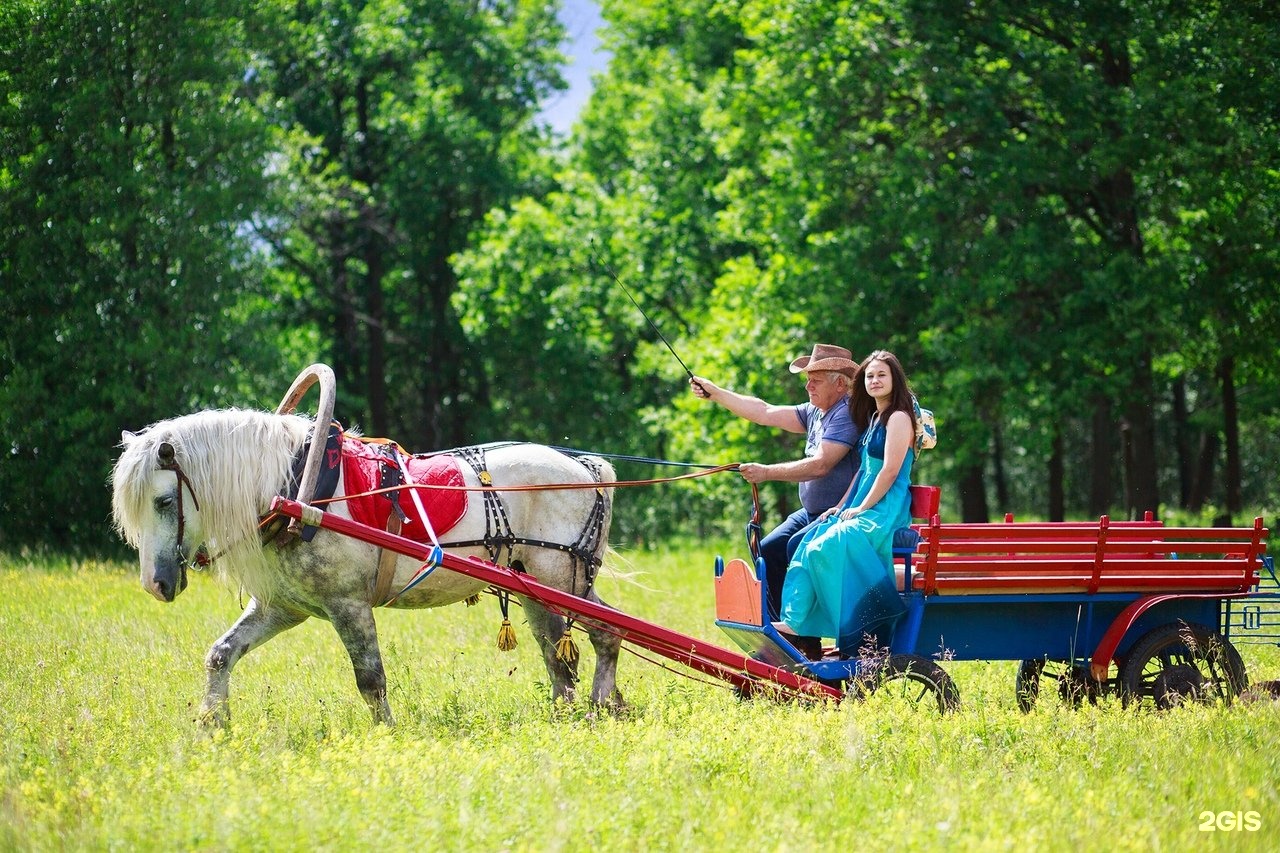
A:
(200, 484)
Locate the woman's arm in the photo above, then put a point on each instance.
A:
(848, 493)
(897, 442)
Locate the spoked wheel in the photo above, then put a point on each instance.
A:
(1074, 683)
(1182, 662)
(913, 680)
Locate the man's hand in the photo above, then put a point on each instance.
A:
(700, 387)
(753, 472)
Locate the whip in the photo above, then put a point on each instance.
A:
(608, 269)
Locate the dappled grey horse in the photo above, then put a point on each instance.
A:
(201, 483)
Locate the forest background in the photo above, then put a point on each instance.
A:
(1062, 217)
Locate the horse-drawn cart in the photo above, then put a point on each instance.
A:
(1136, 608)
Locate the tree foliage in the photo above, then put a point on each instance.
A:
(131, 156)
(1062, 218)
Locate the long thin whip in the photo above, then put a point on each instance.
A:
(608, 269)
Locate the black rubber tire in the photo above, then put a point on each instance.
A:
(902, 671)
(1179, 662)
(1026, 685)
(1074, 683)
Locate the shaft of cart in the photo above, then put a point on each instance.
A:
(744, 673)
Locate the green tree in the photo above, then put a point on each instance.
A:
(403, 123)
(132, 156)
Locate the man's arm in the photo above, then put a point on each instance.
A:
(751, 408)
(799, 471)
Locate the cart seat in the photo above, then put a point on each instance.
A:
(924, 506)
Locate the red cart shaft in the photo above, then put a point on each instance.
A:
(700, 655)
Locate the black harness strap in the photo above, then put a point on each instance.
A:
(171, 464)
(499, 535)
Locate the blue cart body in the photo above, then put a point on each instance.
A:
(1065, 627)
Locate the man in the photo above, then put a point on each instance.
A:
(829, 462)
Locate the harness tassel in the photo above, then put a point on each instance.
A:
(473, 600)
(566, 649)
(506, 636)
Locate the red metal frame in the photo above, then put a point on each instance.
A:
(1100, 662)
(737, 669)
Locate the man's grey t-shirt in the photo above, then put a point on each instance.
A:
(835, 425)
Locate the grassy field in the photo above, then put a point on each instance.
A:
(98, 750)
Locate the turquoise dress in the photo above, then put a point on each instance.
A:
(840, 582)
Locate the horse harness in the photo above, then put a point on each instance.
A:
(499, 536)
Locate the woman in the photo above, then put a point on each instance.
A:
(840, 582)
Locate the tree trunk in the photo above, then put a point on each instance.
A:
(1231, 435)
(1202, 479)
(1142, 493)
(973, 494)
(1101, 463)
(1182, 441)
(1115, 200)
(1002, 481)
(1057, 500)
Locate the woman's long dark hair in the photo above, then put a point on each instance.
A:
(862, 405)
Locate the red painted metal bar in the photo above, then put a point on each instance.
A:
(1095, 579)
(1100, 663)
(730, 666)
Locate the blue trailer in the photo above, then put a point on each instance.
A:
(1138, 609)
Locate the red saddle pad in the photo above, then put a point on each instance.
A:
(362, 466)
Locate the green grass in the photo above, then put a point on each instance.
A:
(99, 685)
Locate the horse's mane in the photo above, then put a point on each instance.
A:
(236, 459)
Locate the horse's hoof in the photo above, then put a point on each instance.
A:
(214, 719)
(614, 704)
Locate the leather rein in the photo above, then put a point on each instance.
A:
(203, 559)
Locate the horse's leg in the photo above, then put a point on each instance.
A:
(355, 626)
(255, 626)
(604, 687)
(548, 628)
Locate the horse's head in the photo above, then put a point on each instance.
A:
(157, 511)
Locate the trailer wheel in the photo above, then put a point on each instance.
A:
(1181, 662)
(1026, 686)
(1074, 684)
(911, 679)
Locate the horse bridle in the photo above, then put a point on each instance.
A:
(169, 462)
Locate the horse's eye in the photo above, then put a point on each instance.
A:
(163, 502)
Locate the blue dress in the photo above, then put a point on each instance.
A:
(840, 582)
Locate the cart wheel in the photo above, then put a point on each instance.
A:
(1027, 684)
(1180, 662)
(910, 678)
(1074, 683)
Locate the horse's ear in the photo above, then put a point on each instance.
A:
(126, 437)
(165, 454)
